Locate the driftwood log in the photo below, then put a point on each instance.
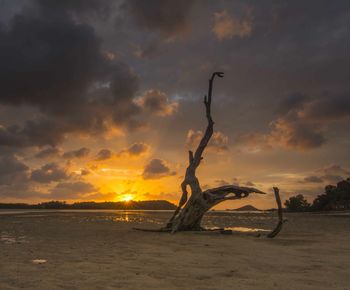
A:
(190, 211)
(192, 207)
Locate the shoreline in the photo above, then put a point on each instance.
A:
(89, 250)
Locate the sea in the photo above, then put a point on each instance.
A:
(240, 221)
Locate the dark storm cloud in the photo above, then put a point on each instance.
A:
(49, 172)
(47, 62)
(169, 18)
(52, 62)
(60, 61)
(79, 153)
(157, 168)
(37, 132)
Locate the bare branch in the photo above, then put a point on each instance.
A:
(219, 194)
(195, 159)
(281, 221)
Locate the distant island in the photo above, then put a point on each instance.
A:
(130, 205)
(245, 208)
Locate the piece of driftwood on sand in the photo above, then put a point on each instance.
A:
(192, 207)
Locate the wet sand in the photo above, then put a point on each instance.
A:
(83, 251)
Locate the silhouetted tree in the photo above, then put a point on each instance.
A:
(191, 209)
(297, 203)
(335, 197)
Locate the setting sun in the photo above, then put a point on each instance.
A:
(127, 198)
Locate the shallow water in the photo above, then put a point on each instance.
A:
(235, 220)
(10, 238)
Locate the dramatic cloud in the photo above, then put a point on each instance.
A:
(72, 190)
(48, 153)
(323, 109)
(226, 26)
(295, 134)
(169, 18)
(335, 169)
(157, 168)
(12, 170)
(77, 6)
(38, 132)
(157, 102)
(218, 142)
(79, 153)
(49, 172)
(313, 179)
(65, 74)
(104, 154)
(135, 149)
(149, 50)
(301, 125)
(330, 174)
(84, 172)
(99, 74)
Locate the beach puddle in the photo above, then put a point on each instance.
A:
(7, 238)
(30, 215)
(246, 230)
(239, 229)
(39, 261)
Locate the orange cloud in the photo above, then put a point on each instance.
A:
(226, 26)
(218, 143)
(157, 102)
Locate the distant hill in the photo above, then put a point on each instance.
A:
(131, 205)
(246, 208)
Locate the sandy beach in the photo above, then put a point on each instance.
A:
(88, 250)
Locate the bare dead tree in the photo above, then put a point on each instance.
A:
(190, 211)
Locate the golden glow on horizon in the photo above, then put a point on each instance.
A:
(127, 198)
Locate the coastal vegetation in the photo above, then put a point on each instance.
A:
(335, 197)
(130, 205)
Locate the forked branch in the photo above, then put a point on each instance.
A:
(195, 159)
(191, 209)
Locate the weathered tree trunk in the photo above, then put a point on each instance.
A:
(281, 221)
(190, 216)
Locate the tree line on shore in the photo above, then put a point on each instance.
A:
(130, 205)
(336, 197)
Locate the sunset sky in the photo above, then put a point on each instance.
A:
(101, 100)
